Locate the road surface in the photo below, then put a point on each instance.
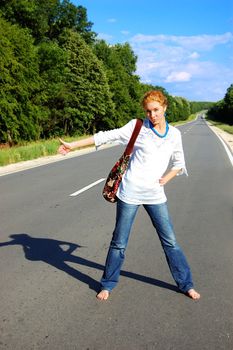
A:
(53, 248)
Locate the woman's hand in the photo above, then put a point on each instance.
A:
(162, 181)
(166, 178)
(65, 147)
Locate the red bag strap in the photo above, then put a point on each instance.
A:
(134, 135)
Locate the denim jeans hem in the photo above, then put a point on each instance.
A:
(187, 288)
(107, 289)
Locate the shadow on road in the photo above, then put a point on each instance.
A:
(58, 253)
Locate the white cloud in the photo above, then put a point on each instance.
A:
(111, 20)
(104, 36)
(178, 77)
(175, 63)
(199, 42)
(194, 55)
(125, 32)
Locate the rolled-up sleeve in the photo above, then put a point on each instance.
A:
(177, 159)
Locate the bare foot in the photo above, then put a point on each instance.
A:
(103, 295)
(193, 294)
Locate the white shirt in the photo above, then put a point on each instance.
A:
(149, 161)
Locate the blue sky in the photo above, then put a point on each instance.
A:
(186, 46)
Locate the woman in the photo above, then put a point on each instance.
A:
(143, 184)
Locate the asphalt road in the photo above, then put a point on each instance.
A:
(53, 248)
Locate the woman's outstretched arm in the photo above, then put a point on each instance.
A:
(66, 147)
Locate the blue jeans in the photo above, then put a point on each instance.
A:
(161, 220)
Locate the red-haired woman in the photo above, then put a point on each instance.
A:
(157, 145)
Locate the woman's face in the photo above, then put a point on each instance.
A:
(155, 112)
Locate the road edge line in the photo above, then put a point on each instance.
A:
(230, 155)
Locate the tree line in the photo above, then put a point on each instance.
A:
(56, 78)
(223, 110)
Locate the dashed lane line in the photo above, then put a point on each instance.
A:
(87, 187)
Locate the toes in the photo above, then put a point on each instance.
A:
(193, 294)
(103, 295)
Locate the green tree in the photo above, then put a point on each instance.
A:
(31, 14)
(48, 18)
(86, 99)
(120, 65)
(178, 108)
(223, 110)
(53, 67)
(197, 106)
(69, 16)
(19, 85)
(173, 109)
(228, 106)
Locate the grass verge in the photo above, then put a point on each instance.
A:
(225, 127)
(190, 118)
(31, 150)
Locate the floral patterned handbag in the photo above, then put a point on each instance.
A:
(115, 176)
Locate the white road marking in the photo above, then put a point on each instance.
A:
(226, 149)
(87, 187)
(230, 156)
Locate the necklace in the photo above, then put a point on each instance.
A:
(156, 132)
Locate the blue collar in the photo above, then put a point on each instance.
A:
(156, 132)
